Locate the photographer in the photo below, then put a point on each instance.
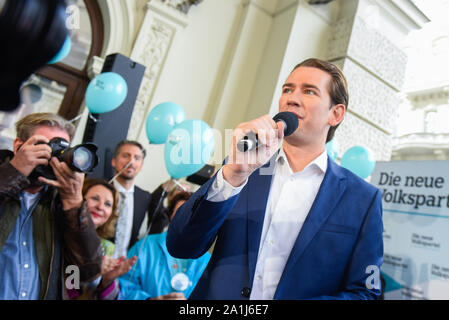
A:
(44, 224)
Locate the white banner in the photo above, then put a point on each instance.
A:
(415, 199)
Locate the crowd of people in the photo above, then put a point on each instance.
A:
(94, 224)
(290, 225)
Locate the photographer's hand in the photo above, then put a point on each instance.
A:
(68, 182)
(30, 154)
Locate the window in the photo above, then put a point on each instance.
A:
(71, 73)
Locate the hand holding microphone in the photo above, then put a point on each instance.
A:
(254, 143)
(251, 140)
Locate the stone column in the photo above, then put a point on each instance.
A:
(374, 65)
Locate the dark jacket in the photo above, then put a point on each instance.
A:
(158, 212)
(340, 237)
(142, 200)
(62, 238)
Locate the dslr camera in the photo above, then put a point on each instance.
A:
(80, 158)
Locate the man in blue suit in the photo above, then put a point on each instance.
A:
(288, 222)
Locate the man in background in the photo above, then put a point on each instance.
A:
(133, 201)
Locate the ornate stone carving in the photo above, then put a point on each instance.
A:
(182, 5)
(156, 42)
(151, 49)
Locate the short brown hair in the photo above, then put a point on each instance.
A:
(27, 125)
(338, 87)
(107, 230)
(132, 142)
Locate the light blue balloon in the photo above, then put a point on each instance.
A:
(106, 92)
(188, 147)
(63, 52)
(332, 149)
(162, 119)
(359, 160)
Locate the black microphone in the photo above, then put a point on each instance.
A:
(250, 141)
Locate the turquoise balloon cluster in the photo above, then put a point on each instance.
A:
(189, 144)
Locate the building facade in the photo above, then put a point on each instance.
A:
(224, 62)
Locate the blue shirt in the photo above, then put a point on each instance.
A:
(19, 273)
(155, 268)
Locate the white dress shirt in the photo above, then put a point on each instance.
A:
(125, 219)
(30, 198)
(290, 199)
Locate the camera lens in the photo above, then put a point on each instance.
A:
(34, 31)
(82, 158)
(2, 5)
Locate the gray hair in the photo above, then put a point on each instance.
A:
(27, 125)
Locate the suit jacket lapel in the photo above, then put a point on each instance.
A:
(137, 214)
(329, 194)
(258, 191)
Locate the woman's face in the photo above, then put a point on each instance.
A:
(100, 201)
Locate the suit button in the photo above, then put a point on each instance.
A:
(246, 292)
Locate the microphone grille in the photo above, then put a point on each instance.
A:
(290, 119)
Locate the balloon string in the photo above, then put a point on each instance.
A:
(180, 185)
(92, 117)
(124, 168)
(120, 172)
(76, 118)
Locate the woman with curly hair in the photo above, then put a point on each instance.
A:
(102, 201)
(101, 198)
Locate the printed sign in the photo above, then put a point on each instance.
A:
(415, 200)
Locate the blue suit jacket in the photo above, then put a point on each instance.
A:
(341, 238)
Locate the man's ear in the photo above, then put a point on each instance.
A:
(113, 162)
(17, 144)
(337, 114)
